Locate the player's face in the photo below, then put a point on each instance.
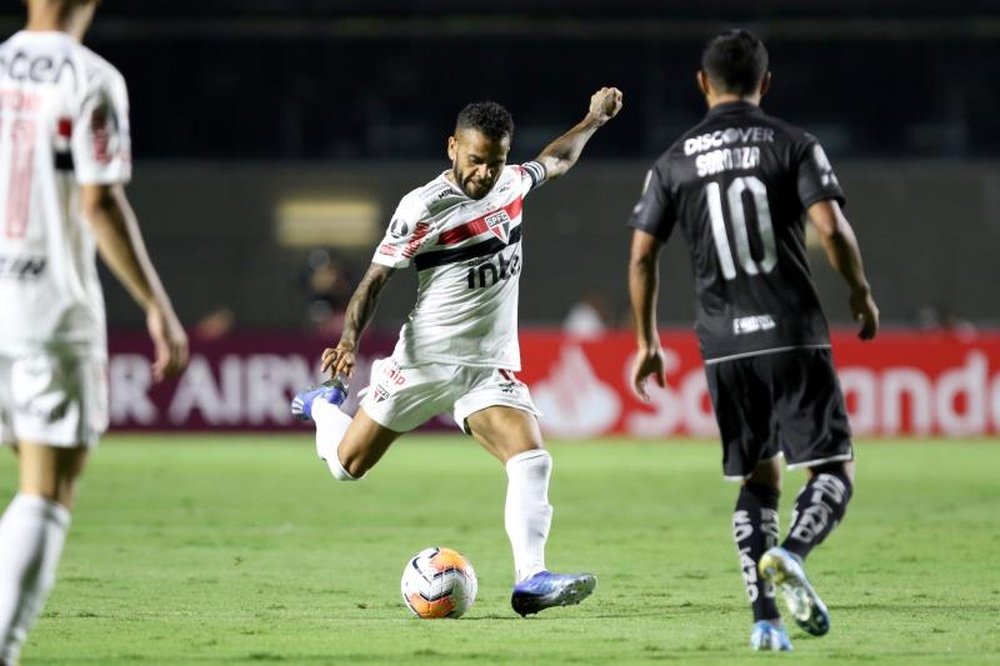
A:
(476, 161)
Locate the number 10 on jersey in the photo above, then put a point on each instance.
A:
(741, 235)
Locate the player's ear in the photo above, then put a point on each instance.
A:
(702, 80)
(452, 148)
(765, 84)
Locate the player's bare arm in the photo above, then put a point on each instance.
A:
(844, 254)
(643, 284)
(559, 156)
(120, 244)
(340, 360)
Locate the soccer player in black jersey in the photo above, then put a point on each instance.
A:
(739, 185)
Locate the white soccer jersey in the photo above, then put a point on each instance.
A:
(467, 253)
(63, 123)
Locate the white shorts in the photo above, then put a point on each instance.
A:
(53, 399)
(402, 398)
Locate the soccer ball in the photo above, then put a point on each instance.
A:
(438, 582)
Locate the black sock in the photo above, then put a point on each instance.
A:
(755, 529)
(819, 507)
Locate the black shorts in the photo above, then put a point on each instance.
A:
(786, 402)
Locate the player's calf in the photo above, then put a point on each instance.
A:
(755, 529)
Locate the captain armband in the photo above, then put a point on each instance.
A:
(537, 172)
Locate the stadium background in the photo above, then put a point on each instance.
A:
(264, 131)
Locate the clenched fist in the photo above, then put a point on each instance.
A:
(605, 104)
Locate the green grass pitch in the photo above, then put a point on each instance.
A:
(240, 550)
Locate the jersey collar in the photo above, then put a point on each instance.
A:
(738, 106)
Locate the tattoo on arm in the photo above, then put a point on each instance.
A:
(363, 303)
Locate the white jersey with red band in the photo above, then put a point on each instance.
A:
(467, 253)
(63, 123)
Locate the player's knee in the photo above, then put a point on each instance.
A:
(764, 493)
(843, 471)
(766, 473)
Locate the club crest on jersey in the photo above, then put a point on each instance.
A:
(499, 224)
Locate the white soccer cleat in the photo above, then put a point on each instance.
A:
(767, 636)
(784, 570)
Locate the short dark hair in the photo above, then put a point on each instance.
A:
(735, 61)
(490, 118)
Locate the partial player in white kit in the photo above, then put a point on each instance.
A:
(64, 157)
(458, 351)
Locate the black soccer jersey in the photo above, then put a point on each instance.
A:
(738, 184)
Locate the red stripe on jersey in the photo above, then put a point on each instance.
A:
(65, 127)
(419, 232)
(478, 225)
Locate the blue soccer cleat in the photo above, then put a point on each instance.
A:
(333, 391)
(769, 636)
(545, 590)
(784, 570)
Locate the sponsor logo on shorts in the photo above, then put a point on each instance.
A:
(395, 376)
(754, 324)
(512, 383)
(52, 415)
(22, 267)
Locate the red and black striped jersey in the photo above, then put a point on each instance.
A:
(467, 253)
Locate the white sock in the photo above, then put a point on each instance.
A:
(527, 513)
(331, 426)
(32, 533)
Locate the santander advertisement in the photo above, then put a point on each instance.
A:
(903, 383)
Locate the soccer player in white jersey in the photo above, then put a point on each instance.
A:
(459, 351)
(64, 157)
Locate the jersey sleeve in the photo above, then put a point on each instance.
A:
(532, 174)
(102, 149)
(816, 180)
(406, 235)
(654, 212)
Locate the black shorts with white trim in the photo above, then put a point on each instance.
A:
(787, 402)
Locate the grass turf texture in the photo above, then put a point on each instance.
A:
(240, 550)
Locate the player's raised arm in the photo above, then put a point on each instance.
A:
(643, 284)
(841, 247)
(120, 245)
(340, 360)
(559, 156)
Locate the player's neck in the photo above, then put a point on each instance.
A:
(55, 17)
(716, 100)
